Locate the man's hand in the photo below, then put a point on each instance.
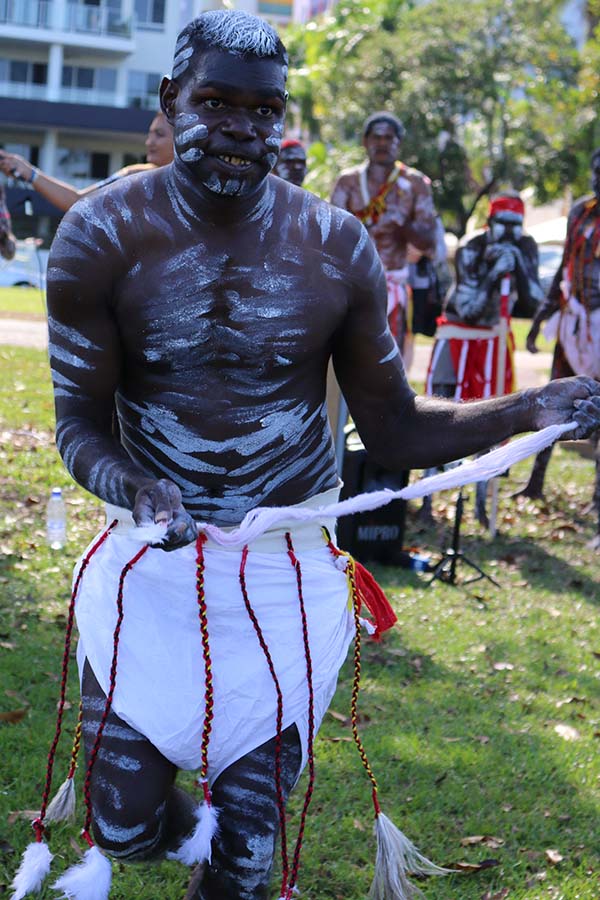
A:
(567, 400)
(160, 501)
(505, 261)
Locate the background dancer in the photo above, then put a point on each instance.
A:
(465, 355)
(291, 162)
(395, 204)
(574, 303)
(208, 296)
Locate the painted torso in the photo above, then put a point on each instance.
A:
(483, 302)
(224, 335)
(409, 199)
(581, 263)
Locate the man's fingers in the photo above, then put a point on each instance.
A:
(587, 416)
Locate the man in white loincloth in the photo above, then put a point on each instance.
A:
(573, 310)
(395, 204)
(207, 298)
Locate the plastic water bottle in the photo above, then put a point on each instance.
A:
(56, 520)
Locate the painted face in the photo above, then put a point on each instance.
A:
(291, 165)
(228, 116)
(382, 144)
(506, 226)
(596, 176)
(159, 142)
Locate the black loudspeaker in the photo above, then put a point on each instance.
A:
(377, 535)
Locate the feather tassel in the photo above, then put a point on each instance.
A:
(62, 807)
(397, 857)
(35, 866)
(197, 847)
(88, 880)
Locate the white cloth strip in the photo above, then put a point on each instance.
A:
(262, 519)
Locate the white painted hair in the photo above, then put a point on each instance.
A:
(232, 30)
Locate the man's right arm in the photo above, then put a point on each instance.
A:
(340, 196)
(86, 358)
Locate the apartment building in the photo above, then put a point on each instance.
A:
(79, 84)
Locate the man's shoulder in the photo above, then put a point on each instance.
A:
(351, 174)
(579, 206)
(414, 175)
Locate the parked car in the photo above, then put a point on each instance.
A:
(28, 266)
(550, 258)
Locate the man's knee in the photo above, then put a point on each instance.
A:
(126, 838)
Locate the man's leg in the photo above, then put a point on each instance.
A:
(246, 798)
(535, 486)
(138, 813)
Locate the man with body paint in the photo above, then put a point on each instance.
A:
(573, 306)
(464, 357)
(395, 204)
(208, 297)
(159, 152)
(291, 162)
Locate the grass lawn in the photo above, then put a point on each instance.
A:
(480, 713)
(24, 302)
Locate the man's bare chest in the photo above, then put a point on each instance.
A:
(201, 307)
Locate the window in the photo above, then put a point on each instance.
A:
(150, 13)
(20, 72)
(142, 89)
(82, 77)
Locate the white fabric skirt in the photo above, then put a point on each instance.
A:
(160, 674)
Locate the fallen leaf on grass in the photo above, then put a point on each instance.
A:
(503, 666)
(487, 839)
(358, 824)
(560, 703)
(339, 717)
(468, 867)
(554, 857)
(17, 814)
(499, 895)
(13, 716)
(6, 645)
(16, 696)
(567, 732)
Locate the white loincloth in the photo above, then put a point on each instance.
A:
(579, 333)
(160, 675)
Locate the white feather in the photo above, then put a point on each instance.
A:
(197, 847)
(397, 857)
(88, 880)
(62, 807)
(35, 865)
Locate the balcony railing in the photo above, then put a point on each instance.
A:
(88, 96)
(28, 13)
(96, 20)
(22, 91)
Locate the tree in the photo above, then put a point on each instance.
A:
(483, 88)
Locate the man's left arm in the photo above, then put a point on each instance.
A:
(420, 228)
(527, 280)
